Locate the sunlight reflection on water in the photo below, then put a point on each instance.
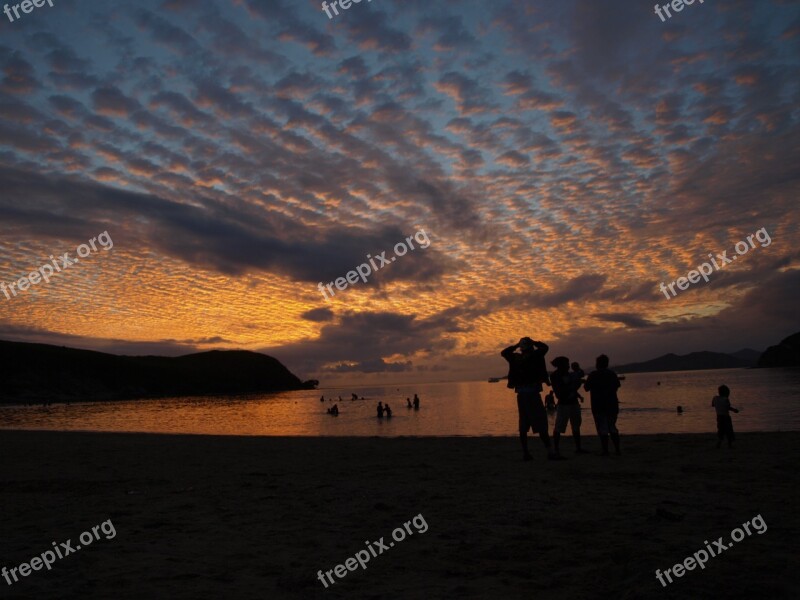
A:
(769, 400)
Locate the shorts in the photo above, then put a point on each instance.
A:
(605, 422)
(568, 413)
(531, 411)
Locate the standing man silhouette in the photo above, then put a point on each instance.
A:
(526, 374)
(603, 384)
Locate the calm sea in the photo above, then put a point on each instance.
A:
(769, 400)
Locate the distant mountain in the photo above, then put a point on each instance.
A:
(692, 362)
(785, 354)
(37, 372)
(748, 354)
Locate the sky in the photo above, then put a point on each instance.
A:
(562, 159)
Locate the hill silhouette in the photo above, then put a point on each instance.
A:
(747, 354)
(785, 354)
(694, 361)
(41, 372)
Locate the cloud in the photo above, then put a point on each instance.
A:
(564, 158)
(629, 320)
(468, 94)
(377, 365)
(111, 102)
(207, 237)
(318, 315)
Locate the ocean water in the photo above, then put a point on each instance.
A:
(769, 400)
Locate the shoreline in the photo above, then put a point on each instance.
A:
(533, 439)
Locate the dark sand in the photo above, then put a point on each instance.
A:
(228, 517)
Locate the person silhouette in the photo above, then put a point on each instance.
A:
(322, 398)
(722, 404)
(526, 374)
(408, 403)
(565, 386)
(603, 384)
(388, 411)
(380, 410)
(416, 402)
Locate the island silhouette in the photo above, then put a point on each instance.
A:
(42, 372)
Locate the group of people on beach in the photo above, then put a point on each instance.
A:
(528, 371)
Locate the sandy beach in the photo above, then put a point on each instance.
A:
(239, 517)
